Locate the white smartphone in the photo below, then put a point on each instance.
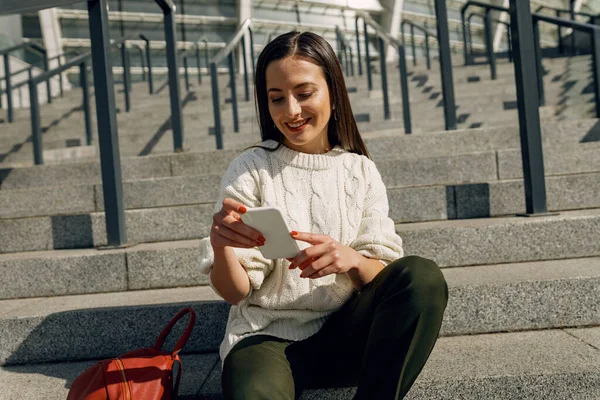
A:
(270, 223)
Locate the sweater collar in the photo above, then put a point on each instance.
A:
(305, 160)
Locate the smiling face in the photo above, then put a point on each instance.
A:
(299, 103)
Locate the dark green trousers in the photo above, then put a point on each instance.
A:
(379, 341)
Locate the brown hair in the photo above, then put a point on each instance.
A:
(342, 129)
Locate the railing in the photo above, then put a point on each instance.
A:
(184, 56)
(237, 39)
(593, 19)
(344, 49)
(82, 61)
(59, 57)
(8, 89)
(148, 62)
(488, 31)
(383, 39)
(36, 133)
(594, 32)
(414, 26)
(484, 17)
(206, 56)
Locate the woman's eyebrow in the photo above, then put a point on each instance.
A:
(295, 87)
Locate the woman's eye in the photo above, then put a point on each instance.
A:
(305, 95)
(276, 100)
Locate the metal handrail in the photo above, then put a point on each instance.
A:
(82, 61)
(238, 38)
(7, 74)
(414, 26)
(202, 39)
(564, 11)
(490, 51)
(183, 54)
(498, 21)
(572, 13)
(384, 38)
(594, 32)
(343, 49)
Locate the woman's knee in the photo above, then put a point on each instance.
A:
(257, 372)
(423, 277)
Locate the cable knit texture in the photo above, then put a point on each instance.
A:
(339, 194)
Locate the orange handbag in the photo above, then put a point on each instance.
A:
(144, 374)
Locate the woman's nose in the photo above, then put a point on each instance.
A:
(293, 108)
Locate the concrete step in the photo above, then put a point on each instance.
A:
(470, 173)
(483, 199)
(160, 260)
(554, 365)
(388, 144)
(482, 300)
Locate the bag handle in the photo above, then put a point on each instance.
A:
(184, 337)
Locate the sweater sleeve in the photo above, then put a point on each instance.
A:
(240, 183)
(377, 237)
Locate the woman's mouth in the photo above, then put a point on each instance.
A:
(297, 126)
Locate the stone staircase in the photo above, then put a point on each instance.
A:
(523, 319)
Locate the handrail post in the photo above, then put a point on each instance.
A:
(445, 64)
(561, 48)
(412, 44)
(198, 64)
(489, 43)
(469, 38)
(142, 63)
(572, 15)
(346, 60)
(538, 63)
(60, 78)
(351, 61)
(596, 68)
(427, 50)
(384, 85)
(206, 56)
(149, 63)
(464, 34)
(245, 62)
(368, 58)
(36, 131)
(510, 49)
(529, 117)
(8, 89)
(125, 77)
(252, 50)
(185, 73)
(404, 88)
(216, 107)
(174, 87)
(234, 106)
(360, 69)
(83, 78)
(48, 83)
(110, 160)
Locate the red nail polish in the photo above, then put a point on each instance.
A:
(294, 233)
(242, 209)
(261, 238)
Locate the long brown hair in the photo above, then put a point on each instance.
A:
(342, 129)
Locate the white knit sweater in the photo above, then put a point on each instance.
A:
(339, 194)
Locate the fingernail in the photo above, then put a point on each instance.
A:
(261, 238)
(242, 209)
(294, 233)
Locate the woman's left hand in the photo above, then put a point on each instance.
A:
(326, 256)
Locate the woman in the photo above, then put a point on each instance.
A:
(348, 309)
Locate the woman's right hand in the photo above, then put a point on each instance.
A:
(229, 230)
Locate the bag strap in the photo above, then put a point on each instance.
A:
(184, 337)
(178, 379)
